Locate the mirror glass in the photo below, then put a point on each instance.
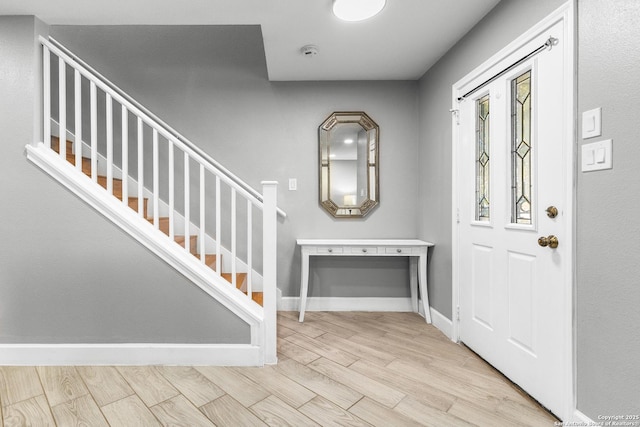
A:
(349, 164)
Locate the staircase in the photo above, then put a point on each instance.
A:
(163, 190)
(210, 259)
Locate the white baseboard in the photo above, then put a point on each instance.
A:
(129, 354)
(583, 420)
(346, 304)
(441, 322)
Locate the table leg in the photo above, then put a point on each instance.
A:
(304, 284)
(413, 282)
(422, 282)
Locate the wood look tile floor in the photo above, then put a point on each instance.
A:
(335, 369)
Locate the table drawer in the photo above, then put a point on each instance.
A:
(399, 251)
(329, 250)
(364, 250)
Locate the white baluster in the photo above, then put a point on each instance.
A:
(249, 248)
(140, 168)
(62, 108)
(187, 220)
(125, 155)
(233, 237)
(78, 118)
(201, 239)
(156, 182)
(46, 96)
(218, 235)
(269, 268)
(171, 190)
(94, 132)
(109, 124)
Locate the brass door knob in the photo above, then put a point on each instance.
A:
(551, 241)
(552, 212)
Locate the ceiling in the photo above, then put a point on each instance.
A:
(400, 43)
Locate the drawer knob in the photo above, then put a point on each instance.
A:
(330, 250)
(364, 250)
(399, 250)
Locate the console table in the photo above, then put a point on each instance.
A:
(416, 250)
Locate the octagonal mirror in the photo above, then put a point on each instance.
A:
(349, 144)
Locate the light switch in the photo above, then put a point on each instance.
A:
(293, 184)
(592, 123)
(597, 155)
(589, 157)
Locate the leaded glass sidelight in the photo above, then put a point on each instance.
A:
(482, 159)
(521, 149)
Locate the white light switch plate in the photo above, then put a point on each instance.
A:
(293, 184)
(597, 156)
(592, 123)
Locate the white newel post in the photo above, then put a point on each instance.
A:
(269, 269)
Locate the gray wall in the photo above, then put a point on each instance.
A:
(210, 83)
(608, 295)
(66, 274)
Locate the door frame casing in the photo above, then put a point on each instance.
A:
(565, 14)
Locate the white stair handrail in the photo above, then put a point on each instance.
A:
(59, 49)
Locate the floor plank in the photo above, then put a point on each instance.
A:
(18, 383)
(105, 383)
(179, 412)
(30, 412)
(334, 391)
(319, 323)
(275, 412)
(296, 326)
(129, 412)
(295, 352)
(427, 415)
(423, 393)
(79, 412)
(371, 388)
(379, 415)
(192, 384)
(326, 350)
(226, 411)
(347, 322)
(148, 383)
(61, 384)
(279, 385)
(373, 355)
(329, 414)
(236, 385)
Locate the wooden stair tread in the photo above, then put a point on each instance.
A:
(209, 260)
(193, 242)
(257, 297)
(240, 278)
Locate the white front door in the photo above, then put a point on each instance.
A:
(513, 204)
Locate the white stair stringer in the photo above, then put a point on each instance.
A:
(158, 243)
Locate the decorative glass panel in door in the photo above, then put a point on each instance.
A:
(521, 149)
(482, 159)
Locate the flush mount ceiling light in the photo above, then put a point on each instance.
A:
(357, 10)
